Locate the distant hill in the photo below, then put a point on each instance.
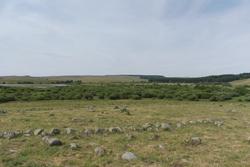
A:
(208, 79)
(69, 79)
(226, 78)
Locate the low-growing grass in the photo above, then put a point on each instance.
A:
(222, 146)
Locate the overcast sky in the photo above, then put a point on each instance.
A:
(95, 37)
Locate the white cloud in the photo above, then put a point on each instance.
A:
(169, 37)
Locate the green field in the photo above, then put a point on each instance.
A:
(223, 128)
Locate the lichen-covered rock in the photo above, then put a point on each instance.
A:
(128, 156)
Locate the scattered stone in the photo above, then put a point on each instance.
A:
(54, 131)
(38, 132)
(74, 146)
(91, 108)
(129, 156)
(178, 125)
(99, 130)
(70, 131)
(52, 141)
(11, 134)
(157, 125)
(194, 141)
(166, 126)
(147, 126)
(28, 133)
(115, 130)
(100, 151)
(219, 123)
(88, 132)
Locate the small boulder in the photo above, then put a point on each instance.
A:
(99, 130)
(128, 156)
(194, 141)
(166, 126)
(147, 126)
(70, 131)
(115, 130)
(100, 151)
(28, 133)
(88, 132)
(52, 141)
(38, 132)
(74, 146)
(11, 134)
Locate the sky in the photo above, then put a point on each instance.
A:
(97, 37)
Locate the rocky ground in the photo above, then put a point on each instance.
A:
(124, 133)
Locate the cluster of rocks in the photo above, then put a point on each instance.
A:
(215, 122)
(10, 134)
(88, 132)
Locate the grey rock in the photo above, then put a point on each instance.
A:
(74, 146)
(100, 151)
(52, 141)
(195, 141)
(219, 123)
(178, 125)
(28, 133)
(11, 134)
(166, 126)
(157, 125)
(88, 132)
(54, 131)
(70, 131)
(99, 130)
(115, 130)
(147, 126)
(38, 132)
(129, 156)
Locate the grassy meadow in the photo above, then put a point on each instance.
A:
(223, 145)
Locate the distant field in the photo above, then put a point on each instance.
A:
(222, 127)
(84, 79)
(241, 82)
